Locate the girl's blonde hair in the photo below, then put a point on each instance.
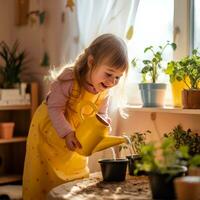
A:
(107, 48)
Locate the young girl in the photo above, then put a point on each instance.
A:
(50, 157)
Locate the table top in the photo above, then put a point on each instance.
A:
(94, 188)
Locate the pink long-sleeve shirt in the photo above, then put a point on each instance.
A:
(57, 98)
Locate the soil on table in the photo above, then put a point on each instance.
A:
(93, 188)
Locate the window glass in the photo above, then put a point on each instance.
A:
(153, 26)
(196, 24)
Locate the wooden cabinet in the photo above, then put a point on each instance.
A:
(12, 151)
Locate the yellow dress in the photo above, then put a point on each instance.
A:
(48, 162)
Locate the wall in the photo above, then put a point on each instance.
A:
(157, 123)
(50, 36)
(6, 20)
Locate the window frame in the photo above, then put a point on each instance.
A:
(183, 27)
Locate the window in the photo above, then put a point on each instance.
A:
(196, 24)
(153, 26)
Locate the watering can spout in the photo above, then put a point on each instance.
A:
(108, 142)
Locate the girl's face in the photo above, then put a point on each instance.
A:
(104, 77)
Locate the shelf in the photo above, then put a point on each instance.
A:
(15, 107)
(10, 178)
(13, 150)
(12, 140)
(163, 110)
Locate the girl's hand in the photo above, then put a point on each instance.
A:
(72, 142)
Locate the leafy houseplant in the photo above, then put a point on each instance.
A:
(185, 138)
(12, 60)
(162, 164)
(152, 66)
(194, 165)
(134, 144)
(188, 71)
(152, 93)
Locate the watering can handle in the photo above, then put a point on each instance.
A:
(82, 104)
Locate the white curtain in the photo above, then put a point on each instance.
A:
(97, 17)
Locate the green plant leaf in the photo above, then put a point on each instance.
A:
(174, 46)
(148, 48)
(195, 161)
(153, 67)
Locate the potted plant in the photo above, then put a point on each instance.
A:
(161, 163)
(188, 187)
(113, 169)
(153, 93)
(191, 140)
(188, 71)
(12, 60)
(185, 138)
(134, 144)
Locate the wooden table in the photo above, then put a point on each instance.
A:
(94, 188)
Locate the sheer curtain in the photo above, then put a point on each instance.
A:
(97, 17)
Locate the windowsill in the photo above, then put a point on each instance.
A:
(166, 109)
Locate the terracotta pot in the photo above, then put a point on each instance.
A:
(191, 99)
(187, 188)
(194, 171)
(6, 130)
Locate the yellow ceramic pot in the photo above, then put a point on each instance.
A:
(177, 87)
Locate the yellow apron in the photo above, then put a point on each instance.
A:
(48, 162)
